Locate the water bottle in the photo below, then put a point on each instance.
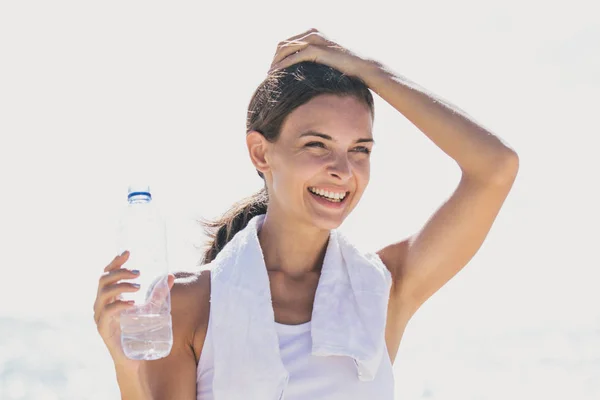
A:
(146, 330)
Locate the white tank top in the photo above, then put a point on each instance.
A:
(311, 377)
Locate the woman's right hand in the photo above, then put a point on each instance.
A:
(108, 307)
(107, 312)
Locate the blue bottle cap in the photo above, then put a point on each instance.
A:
(138, 190)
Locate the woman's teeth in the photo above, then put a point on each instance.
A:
(335, 197)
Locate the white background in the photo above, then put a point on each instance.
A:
(96, 95)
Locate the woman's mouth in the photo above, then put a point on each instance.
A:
(334, 198)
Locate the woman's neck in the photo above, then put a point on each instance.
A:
(291, 248)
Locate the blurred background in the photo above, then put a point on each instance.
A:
(96, 95)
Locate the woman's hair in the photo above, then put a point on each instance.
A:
(276, 97)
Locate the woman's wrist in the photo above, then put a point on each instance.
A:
(132, 383)
(374, 73)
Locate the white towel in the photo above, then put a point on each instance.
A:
(348, 318)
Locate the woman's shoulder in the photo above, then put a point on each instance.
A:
(191, 289)
(190, 307)
(190, 297)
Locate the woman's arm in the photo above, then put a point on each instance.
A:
(426, 261)
(478, 152)
(423, 263)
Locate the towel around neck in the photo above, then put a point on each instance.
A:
(348, 318)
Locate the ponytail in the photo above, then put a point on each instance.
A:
(222, 230)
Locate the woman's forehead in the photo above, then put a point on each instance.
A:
(330, 115)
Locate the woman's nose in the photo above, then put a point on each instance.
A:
(340, 168)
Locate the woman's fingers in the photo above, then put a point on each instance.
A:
(305, 33)
(108, 294)
(112, 273)
(111, 310)
(309, 53)
(312, 35)
(116, 275)
(110, 287)
(116, 289)
(289, 49)
(159, 291)
(296, 37)
(297, 43)
(111, 277)
(117, 262)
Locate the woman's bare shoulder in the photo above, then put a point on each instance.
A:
(197, 278)
(190, 307)
(191, 291)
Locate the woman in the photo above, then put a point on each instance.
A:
(310, 136)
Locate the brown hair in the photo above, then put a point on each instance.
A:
(275, 98)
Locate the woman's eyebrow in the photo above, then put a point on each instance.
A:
(327, 137)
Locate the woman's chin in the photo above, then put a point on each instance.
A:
(327, 222)
(328, 215)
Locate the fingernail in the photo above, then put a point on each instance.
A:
(135, 271)
(136, 285)
(123, 253)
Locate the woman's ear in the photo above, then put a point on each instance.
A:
(257, 148)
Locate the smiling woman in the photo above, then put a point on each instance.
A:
(314, 126)
(285, 305)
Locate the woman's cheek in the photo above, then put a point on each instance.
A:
(310, 163)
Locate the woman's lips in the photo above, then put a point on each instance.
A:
(328, 203)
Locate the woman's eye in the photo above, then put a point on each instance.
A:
(363, 149)
(315, 144)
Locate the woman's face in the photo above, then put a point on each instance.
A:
(319, 166)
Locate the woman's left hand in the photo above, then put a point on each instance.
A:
(313, 46)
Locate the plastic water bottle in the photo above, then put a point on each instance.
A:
(146, 330)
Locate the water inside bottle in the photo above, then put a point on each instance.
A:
(146, 336)
(146, 329)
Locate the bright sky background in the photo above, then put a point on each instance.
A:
(95, 95)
